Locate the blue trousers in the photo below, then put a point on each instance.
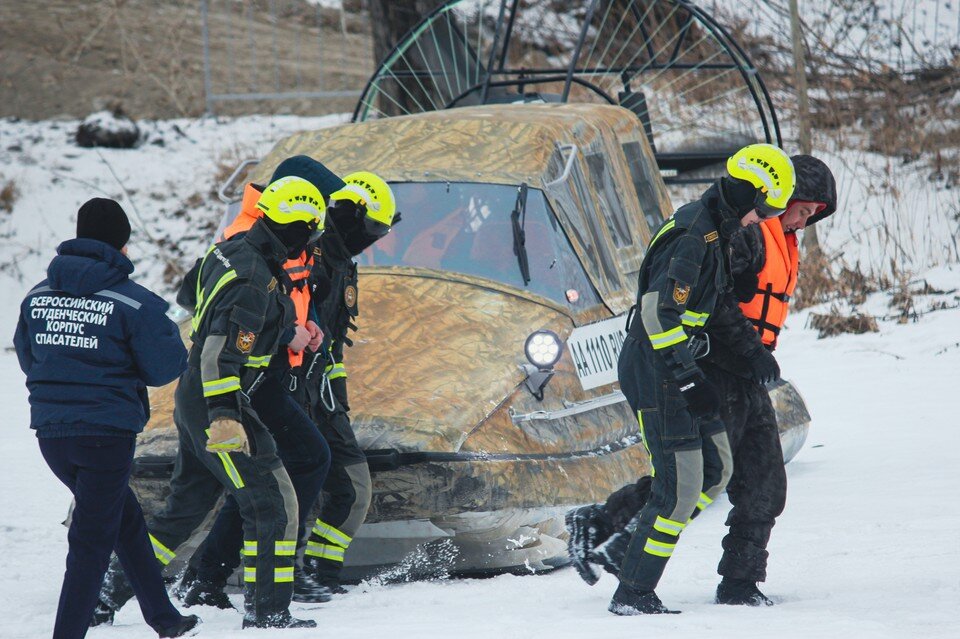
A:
(106, 518)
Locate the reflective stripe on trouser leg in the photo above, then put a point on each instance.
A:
(268, 505)
(324, 551)
(249, 553)
(164, 555)
(285, 552)
(675, 491)
(717, 467)
(331, 534)
(643, 438)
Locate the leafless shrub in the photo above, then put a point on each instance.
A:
(836, 322)
(824, 279)
(9, 194)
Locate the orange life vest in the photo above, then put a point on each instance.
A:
(297, 269)
(777, 280)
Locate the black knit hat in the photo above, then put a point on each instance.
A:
(815, 183)
(104, 220)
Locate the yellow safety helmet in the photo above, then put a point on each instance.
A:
(292, 199)
(369, 189)
(770, 170)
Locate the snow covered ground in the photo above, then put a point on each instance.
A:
(869, 545)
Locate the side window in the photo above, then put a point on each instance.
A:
(593, 222)
(643, 183)
(610, 203)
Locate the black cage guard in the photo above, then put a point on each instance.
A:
(693, 88)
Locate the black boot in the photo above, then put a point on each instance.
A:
(628, 602)
(207, 593)
(740, 592)
(307, 589)
(187, 579)
(587, 528)
(102, 614)
(277, 620)
(187, 626)
(324, 572)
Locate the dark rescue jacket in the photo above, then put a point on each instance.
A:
(90, 341)
(240, 311)
(296, 271)
(683, 274)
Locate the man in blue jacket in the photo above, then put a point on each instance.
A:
(90, 342)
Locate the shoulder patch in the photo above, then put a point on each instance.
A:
(681, 293)
(711, 236)
(245, 341)
(350, 296)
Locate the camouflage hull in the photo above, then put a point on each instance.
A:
(471, 474)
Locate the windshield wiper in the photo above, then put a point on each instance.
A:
(518, 219)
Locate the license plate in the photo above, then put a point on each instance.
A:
(595, 349)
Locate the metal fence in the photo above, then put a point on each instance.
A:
(277, 50)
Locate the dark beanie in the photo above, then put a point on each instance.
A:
(303, 166)
(104, 220)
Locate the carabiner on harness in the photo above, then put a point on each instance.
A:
(326, 389)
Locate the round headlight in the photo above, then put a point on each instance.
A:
(543, 349)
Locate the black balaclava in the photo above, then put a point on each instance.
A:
(738, 197)
(294, 235)
(357, 231)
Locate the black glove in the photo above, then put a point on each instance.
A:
(763, 367)
(745, 286)
(701, 396)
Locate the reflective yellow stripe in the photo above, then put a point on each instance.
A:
(258, 362)
(692, 318)
(249, 549)
(163, 554)
(231, 470)
(666, 227)
(659, 549)
(283, 575)
(328, 532)
(643, 438)
(335, 371)
(285, 548)
(249, 574)
(221, 386)
(324, 551)
(703, 502)
(668, 338)
(202, 307)
(199, 291)
(668, 526)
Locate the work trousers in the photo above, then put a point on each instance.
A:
(347, 489)
(106, 517)
(259, 484)
(758, 488)
(306, 457)
(691, 460)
